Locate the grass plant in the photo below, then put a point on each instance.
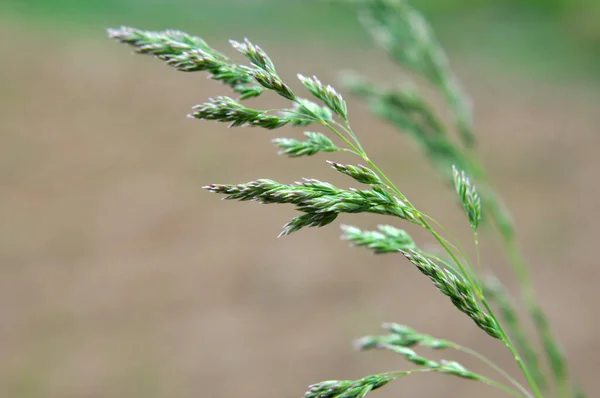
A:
(405, 35)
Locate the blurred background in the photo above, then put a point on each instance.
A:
(121, 277)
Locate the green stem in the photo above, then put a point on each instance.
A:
(437, 259)
(501, 386)
(456, 245)
(513, 350)
(494, 366)
(355, 148)
(351, 133)
(400, 373)
(341, 136)
(478, 254)
(442, 242)
(483, 379)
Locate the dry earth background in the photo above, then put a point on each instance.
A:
(121, 277)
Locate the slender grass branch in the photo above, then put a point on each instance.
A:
(494, 366)
(507, 341)
(478, 259)
(452, 241)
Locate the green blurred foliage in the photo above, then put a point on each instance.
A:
(542, 37)
(568, 12)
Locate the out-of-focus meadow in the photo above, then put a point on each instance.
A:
(121, 277)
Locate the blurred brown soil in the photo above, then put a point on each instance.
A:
(121, 277)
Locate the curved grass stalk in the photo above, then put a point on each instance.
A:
(456, 245)
(505, 338)
(494, 366)
(498, 294)
(466, 274)
(478, 259)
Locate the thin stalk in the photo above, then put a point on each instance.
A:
(441, 240)
(446, 264)
(513, 350)
(399, 373)
(351, 134)
(456, 245)
(483, 379)
(478, 259)
(352, 151)
(494, 366)
(355, 148)
(501, 386)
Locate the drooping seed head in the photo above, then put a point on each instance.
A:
(460, 293)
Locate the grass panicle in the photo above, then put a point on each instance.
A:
(468, 196)
(462, 295)
(264, 69)
(166, 43)
(308, 220)
(348, 388)
(321, 201)
(255, 54)
(327, 94)
(387, 239)
(360, 173)
(189, 54)
(271, 81)
(402, 336)
(408, 38)
(228, 110)
(315, 143)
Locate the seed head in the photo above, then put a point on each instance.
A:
(468, 196)
(327, 94)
